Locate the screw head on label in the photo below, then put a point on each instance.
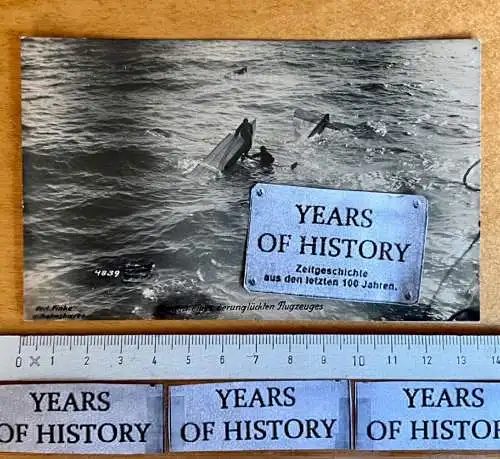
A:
(408, 296)
(251, 281)
(416, 204)
(259, 192)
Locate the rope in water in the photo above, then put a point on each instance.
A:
(450, 269)
(471, 245)
(464, 178)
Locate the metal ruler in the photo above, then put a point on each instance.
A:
(254, 356)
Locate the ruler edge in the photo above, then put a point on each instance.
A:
(14, 343)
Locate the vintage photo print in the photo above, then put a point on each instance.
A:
(141, 160)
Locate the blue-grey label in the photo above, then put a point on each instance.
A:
(267, 415)
(82, 418)
(324, 243)
(427, 416)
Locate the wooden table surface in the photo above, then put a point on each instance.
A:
(265, 19)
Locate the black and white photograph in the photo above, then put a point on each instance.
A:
(141, 160)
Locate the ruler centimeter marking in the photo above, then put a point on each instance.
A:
(253, 356)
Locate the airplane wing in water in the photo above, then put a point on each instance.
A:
(216, 156)
(314, 117)
(227, 152)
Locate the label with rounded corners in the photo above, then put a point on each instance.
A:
(339, 244)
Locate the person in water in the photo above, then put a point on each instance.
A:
(245, 130)
(241, 71)
(266, 158)
(320, 127)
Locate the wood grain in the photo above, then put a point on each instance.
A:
(271, 19)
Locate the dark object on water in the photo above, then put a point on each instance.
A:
(321, 126)
(245, 129)
(127, 272)
(241, 71)
(136, 272)
(189, 305)
(313, 116)
(266, 158)
(467, 314)
(466, 175)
